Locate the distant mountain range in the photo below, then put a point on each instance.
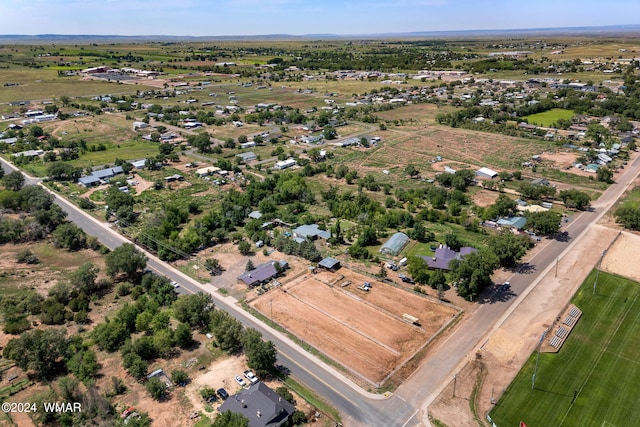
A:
(613, 30)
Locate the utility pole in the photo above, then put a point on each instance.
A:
(557, 266)
(454, 384)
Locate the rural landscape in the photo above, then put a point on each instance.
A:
(358, 231)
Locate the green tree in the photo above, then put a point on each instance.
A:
(84, 364)
(383, 272)
(201, 141)
(452, 241)
(227, 330)
(284, 393)
(13, 181)
(437, 279)
(544, 223)
(418, 269)
(40, 351)
(110, 335)
(213, 266)
(575, 199)
(179, 376)
(249, 266)
(230, 419)
(509, 248)
(194, 309)
(143, 321)
(244, 247)
(69, 236)
(84, 278)
(183, 336)
(329, 132)
(605, 174)
(628, 216)
(504, 206)
(472, 274)
(125, 259)
(156, 388)
(367, 237)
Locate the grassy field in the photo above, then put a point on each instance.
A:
(548, 118)
(632, 198)
(599, 362)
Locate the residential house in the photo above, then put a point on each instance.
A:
(262, 273)
(310, 232)
(444, 255)
(262, 406)
(284, 164)
(513, 222)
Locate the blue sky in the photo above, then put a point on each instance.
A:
(254, 17)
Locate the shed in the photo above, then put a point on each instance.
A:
(248, 156)
(395, 244)
(486, 173)
(329, 264)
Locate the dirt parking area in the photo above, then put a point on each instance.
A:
(363, 331)
(622, 257)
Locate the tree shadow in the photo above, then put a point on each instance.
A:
(523, 268)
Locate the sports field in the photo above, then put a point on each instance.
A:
(599, 364)
(548, 118)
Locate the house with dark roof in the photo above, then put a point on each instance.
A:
(444, 255)
(262, 406)
(262, 273)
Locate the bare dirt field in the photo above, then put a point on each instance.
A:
(622, 257)
(564, 161)
(363, 331)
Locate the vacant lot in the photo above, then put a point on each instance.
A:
(593, 380)
(363, 331)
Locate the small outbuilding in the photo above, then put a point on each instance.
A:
(486, 173)
(330, 264)
(395, 244)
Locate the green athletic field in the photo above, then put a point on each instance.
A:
(600, 361)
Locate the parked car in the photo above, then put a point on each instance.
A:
(240, 381)
(175, 284)
(223, 394)
(248, 374)
(406, 279)
(506, 286)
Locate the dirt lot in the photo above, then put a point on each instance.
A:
(622, 257)
(363, 331)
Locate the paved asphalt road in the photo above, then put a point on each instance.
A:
(402, 408)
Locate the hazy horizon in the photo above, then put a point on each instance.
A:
(198, 18)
